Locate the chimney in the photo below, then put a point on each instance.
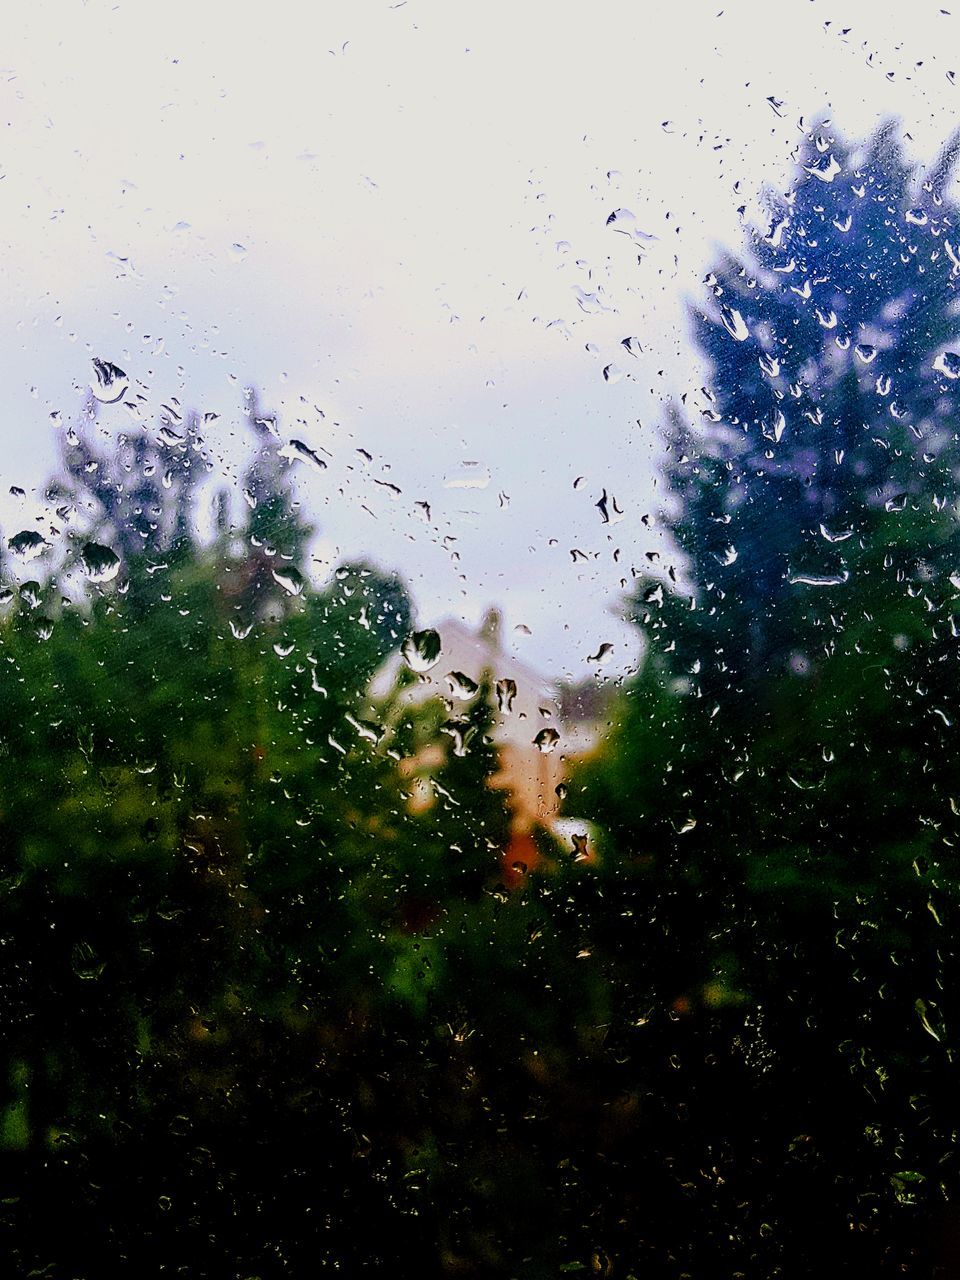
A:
(490, 629)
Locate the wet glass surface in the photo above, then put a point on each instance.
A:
(479, 635)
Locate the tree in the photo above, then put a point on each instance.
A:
(173, 825)
(778, 791)
(264, 1005)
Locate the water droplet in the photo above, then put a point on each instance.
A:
(610, 512)
(506, 692)
(819, 579)
(591, 303)
(546, 740)
(27, 543)
(726, 556)
(921, 1008)
(421, 650)
(86, 963)
(461, 731)
(602, 656)
(297, 451)
(734, 323)
(841, 535)
(100, 563)
(896, 503)
(948, 363)
(775, 428)
(624, 221)
(109, 383)
(366, 729)
(290, 579)
(461, 686)
(865, 352)
(241, 630)
(826, 170)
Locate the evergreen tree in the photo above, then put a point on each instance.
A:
(829, 404)
(779, 792)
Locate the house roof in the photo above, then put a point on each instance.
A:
(477, 652)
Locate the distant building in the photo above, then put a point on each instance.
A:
(530, 705)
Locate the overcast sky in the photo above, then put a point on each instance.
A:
(391, 217)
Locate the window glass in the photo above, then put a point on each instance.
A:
(479, 634)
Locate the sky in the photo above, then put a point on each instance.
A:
(392, 218)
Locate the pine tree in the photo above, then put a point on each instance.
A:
(779, 794)
(829, 404)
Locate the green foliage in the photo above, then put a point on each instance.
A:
(261, 997)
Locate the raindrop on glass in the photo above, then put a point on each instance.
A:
(100, 563)
(109, 383)
(421, 650)
(290, 579)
